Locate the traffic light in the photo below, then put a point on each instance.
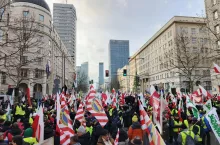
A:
(106, 73)
(91, 82)
(124, 72)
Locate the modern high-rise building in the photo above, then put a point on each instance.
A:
(101, 73)
(85, 69)
(118, 56)
(64, 19)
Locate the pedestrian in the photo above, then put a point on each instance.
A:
(105, 138)
(123, 136)
(17, 140)
(135, 129)
(83, 136)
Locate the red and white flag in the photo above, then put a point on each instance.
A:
(38, 125)
(117, 138)
(153, 92)
(64, 124)
(80, 113)
(148, 126)
(216, 68)
(204, 92)
(94, 106)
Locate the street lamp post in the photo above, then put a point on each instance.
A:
(64, 66)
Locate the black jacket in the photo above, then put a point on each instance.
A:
(123, 136)
(84, 139)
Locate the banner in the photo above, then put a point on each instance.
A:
(47, 141)
(207, 106)
(214, 122)
(195, 111)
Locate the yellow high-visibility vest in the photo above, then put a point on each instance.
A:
(184, 135)
(198, 134)
(175, 124)
(19, 111)
(31, 140)
(4, 117)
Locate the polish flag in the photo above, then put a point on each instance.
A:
(216, 68)
(204, 92)
(38, 125)
(154, 92)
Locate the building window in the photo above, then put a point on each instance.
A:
(215, 14)
(41, 18)
(193, 39)
(214, 2)
(202, 50)
(38, 73)
(24, 59)
(24, 73)
(25, 13)
(39, 60)
(217, 29)
(3, 78)
(193, 31)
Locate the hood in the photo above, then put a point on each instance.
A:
(136, 125)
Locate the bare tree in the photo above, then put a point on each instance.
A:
(23, 50)
(115, 83)
(187, 61)
(82, 82)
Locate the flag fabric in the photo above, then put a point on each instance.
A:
(38, 125)
(11, 99)
(29, 96)
(207, 106)
(94, 106)
(80, 113)
(122, 99)
(64, 124)
(142, 99)
(204, 92)
(117, 138)
(195, 111)
(214, 122)
(216, 68)
(8, 112)
(154, 92)
(147, 125)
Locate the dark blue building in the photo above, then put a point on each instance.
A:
(118, 56)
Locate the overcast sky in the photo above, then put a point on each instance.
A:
(98, 21)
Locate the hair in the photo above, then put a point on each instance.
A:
(18, 139)
(74, 138)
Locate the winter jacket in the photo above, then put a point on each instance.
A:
(135, 130)
(123, 136)
(101, 142)
(84, 139)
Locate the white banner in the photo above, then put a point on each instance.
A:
(214, 122)
(48, 141)
(207, 106)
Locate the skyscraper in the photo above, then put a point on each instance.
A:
(64, 17)
(101, 73)
(118, 56)
(85, 69)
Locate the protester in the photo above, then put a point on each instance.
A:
(17, 140)
(135, 129)
(105, 139)
(83, 136)
(136, 141)
(74, 140)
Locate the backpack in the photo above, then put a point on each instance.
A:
(189, 139)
